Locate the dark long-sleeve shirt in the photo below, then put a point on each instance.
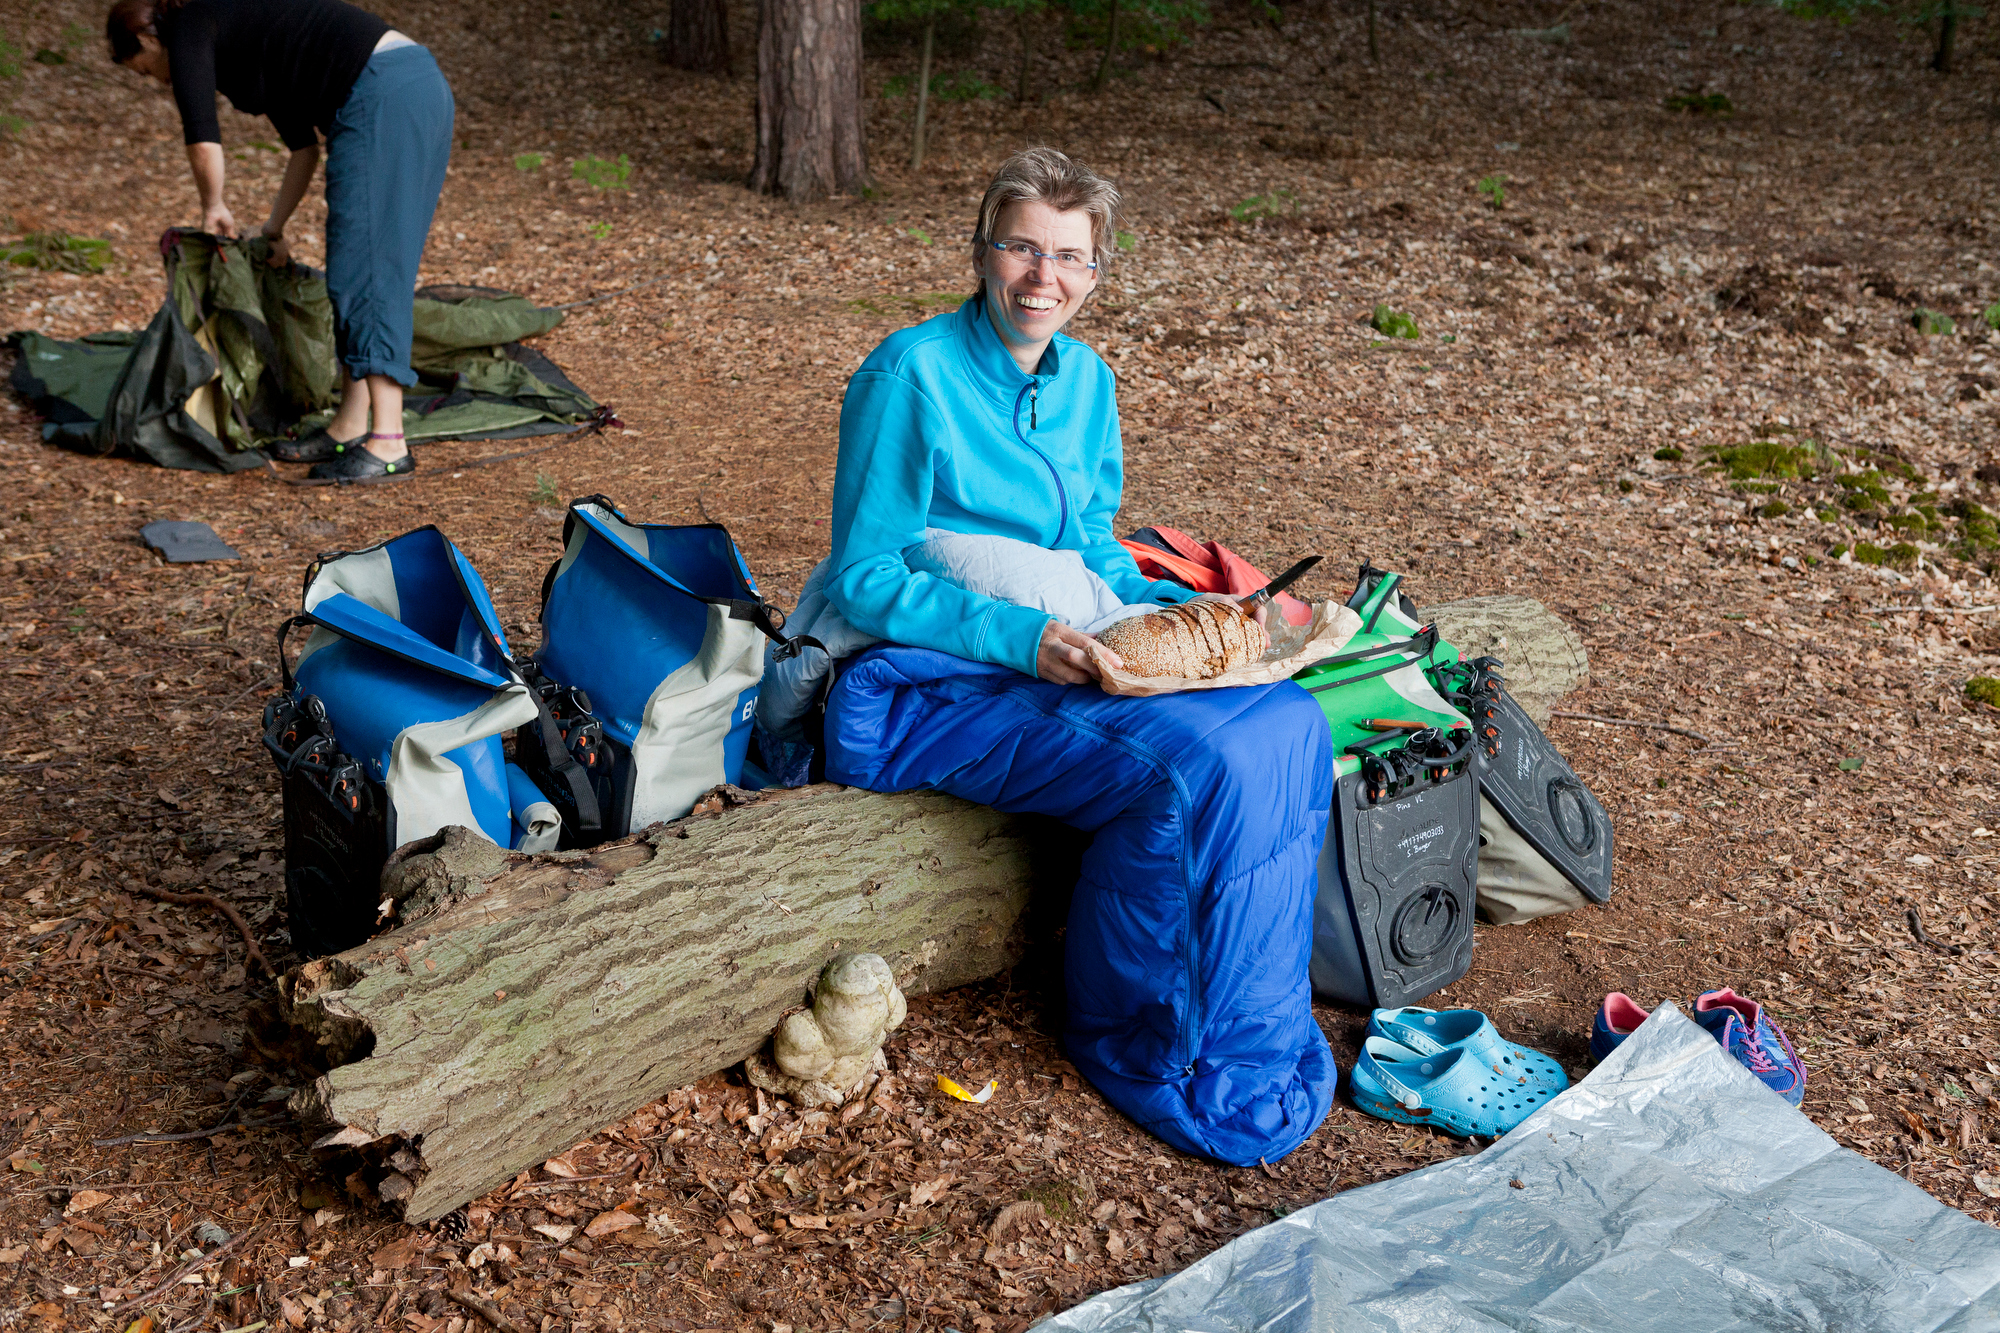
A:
(292, 60)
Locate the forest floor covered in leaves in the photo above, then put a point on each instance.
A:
(1659, 285)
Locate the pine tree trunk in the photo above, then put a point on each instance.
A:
(1947, 38)
(809, 133)
(698, 36)
(1021, 76)
(923, 95)
(1110, 45)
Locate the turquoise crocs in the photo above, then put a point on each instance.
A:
(1433, 1031)
(1451, 1091)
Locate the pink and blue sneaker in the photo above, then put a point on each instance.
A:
(1618, 1018)
(1757, 1043)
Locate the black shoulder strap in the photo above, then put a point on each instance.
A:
(284, 631)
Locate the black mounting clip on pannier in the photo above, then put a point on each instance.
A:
(337, 829)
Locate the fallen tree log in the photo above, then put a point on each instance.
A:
(541, 998)
(522, 1003)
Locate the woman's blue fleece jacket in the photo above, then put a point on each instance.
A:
(941, 429)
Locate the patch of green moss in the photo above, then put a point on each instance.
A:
(1826, 515)
(1902, 556)
(1868, 553)
(1775, 509)
(1888, 463)
(1837, 550)
(1058, 1198)
(1625, 486)
(1753, 487)
(1977, 530)
(1932, 323)
(1916, 522)
(1764, 458)
(1983, 690)
(1393, 323)
(1668, 454)
(1864, 490)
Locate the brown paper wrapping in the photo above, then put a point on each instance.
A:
(1326, 633)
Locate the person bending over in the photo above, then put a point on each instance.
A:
(319, 67)
(1190, 929)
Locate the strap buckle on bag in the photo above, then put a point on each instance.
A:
(771, 620)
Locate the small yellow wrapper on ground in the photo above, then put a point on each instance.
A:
(984, 1094)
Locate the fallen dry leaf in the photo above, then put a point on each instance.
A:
(930, 1191)
(83, 1201)
(616, 1219)
(396, 1254)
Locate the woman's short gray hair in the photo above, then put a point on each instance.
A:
(1043, 175)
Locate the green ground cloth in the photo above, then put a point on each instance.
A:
(241, 353)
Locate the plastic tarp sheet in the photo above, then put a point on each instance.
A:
(1669, 1191)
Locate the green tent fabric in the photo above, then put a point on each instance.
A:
(70, 382)
(242, 352)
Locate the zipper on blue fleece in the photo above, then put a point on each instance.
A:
(1062, 495)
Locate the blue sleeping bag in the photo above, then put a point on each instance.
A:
(1191, 929)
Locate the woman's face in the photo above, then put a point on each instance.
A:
(1030, 302)
(151, 60)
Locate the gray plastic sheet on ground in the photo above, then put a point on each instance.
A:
(1669, 1191)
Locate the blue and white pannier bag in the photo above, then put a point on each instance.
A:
(663, 629)
(390, 728)
(408, 660)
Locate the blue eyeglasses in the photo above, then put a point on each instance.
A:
(1027, 256)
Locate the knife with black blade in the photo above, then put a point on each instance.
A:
(1277, 585)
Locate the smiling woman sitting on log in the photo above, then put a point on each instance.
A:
(1190, 930)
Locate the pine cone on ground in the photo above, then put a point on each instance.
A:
(1195, 641)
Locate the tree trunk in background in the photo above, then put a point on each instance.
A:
(1110, 45)
(1947, 33)
(698, 36)
(1021, 76)
(923, 94)
(809, 132)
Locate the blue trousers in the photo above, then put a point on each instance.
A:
(1191, 929)
(385, 160)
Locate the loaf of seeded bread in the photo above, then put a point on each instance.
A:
(1195, 641)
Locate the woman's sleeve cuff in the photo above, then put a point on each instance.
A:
(1015, 637)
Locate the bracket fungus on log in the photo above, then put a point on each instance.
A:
(522, 1003)
(823, 1055)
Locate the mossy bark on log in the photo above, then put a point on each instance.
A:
(514, 1021)
(1545, 658)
